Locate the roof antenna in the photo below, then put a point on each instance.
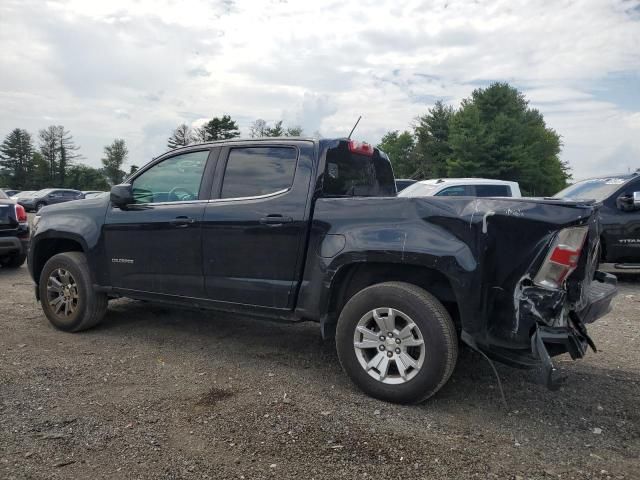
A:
(354, 127)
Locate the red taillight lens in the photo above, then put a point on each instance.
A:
(21, 214)
(563, 257)
(361, 148)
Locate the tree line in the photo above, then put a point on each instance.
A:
(223, 128)
(492, 134)
(54, 162)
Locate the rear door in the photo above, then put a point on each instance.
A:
(255, 227)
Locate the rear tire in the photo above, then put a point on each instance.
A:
(13, 261)
(413, 358)
(67, 295)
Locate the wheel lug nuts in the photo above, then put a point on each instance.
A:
(398, 351)
(381, 348)
(389, 354)
(397, 340)
(382, 339)
(390, 335)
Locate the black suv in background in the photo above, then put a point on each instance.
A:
(619, 215)
(49, 196)
(14, 233)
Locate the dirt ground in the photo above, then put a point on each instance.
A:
(156, 392)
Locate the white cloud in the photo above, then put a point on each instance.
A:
(137, 69)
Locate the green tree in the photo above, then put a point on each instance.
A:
(400, 149)
(295, 131)
(218, 129)
(432, 141)
(84, 177)
(495, 134)
(49, 150)
(16, 158)
(67, 153)
(114, 157)
(38, 177)
(182, 136)
(260, 128)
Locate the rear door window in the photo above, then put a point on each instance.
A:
(258, 171)
(493, 191)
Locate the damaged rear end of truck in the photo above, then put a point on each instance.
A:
(538, 267)
(521, 274)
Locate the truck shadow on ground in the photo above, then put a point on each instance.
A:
(294, 347)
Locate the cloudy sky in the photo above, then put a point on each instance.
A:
(134, 69)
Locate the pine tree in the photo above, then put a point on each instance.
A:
(114, 157)
(432, 141)
(218, 129)
(182, 136)
(16, 158)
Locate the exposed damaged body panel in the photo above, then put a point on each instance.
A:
(489, 250)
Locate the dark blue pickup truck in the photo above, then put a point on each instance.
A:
(619, 196)
(312, 230)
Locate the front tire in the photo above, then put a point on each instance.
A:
(397, 342)
(67, 295)
(13, 261)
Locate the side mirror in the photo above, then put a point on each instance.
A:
(628, 202)
(121, 195)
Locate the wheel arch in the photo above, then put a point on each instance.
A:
(354, 277)
(45, 248)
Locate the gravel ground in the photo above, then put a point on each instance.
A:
(156, 392)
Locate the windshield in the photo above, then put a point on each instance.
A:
(596, 189)
(419, 190)
(3, 195)
(39, 193)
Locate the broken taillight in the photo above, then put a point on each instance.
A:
(21, 214)
(362, 148)
(562, 258)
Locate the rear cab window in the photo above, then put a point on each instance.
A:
(352, 174)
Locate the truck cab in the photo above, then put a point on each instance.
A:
(619, 215)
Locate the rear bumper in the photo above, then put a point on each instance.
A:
(13, 245)
(547, 342)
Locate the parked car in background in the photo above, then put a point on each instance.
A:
(402, 183)
(462, 187)
(311, 229)
(10, 192)
(22, 194)
(14, 233)
(49, 196)
(94, 194)
(619, 215)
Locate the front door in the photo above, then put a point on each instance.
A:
(254, 228)
(155, 245)
(620, 220)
